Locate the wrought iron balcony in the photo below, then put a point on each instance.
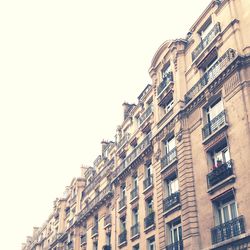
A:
(228, 230)
(83, 239)
(171, 201)
(146, 114)
(214, 125)
(138, 150)
(134, 193)
(164, 84)
(106, 247)
(135, 230)
(107, 220)
(94, 230)
(123, 237)
(122, 202)
(149, 220)
(148, 182)
(220, 173)
(169, 158)
(178, 245)
(212, 73)
(206, 41)
(123, 140)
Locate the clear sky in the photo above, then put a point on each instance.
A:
(66, 67)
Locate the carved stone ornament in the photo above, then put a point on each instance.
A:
(174, 57)
(157, 155)
(179, 135)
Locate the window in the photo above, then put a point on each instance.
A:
(123, 224)
(175, 231)
(206, 28)
(136, 247)
(135, 181)
(108, 239)
(148, 170)
(225, 210)
(213, 110)
(171, 185)
(135, 217)
(95, 245)
(149, 205)
(169, 145)
(220, 155)
(151, 243)
(166, 71)
(169, 105)
(123, 190)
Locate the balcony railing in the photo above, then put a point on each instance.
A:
(146, 114)
(170, 157)
(135, 230)
(123, 237)
(214, 71)
(148, 182)
(228, 230)
(171, 201)
(134, 193)
(220, 173)
(149, 220)
(123, 140)
(122, 202)
(164, 84)
(178, 245)
(216, 123)
(96, 201)
(94, 230)
(206, 41)
(107, 220)
(138, 150)
(83, 239)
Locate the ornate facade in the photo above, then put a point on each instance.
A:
(177, 175)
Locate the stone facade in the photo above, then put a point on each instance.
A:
(177, 175)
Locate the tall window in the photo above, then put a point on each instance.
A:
(175, 231)
(213, 110)
(151, 243)
(205, 29)
(220, 155)
(166, 71)
(169, 105)
(135, 181)
(123, 190)
(95, 245)
(149, 205)
(171, 185)
(148, 169)
(136, 247)
(169, 145)
(123, 224)
(225, 210)
(135, 217)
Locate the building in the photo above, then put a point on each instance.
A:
(177, 176)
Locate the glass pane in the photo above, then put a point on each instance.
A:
(233, 210)
(226, 214)
(175, 239)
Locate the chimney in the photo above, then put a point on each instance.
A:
(83, 170)
(126, 109)
(104, 145)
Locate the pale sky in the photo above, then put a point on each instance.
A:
(66, 67)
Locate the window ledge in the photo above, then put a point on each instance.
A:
(229, 179)
(134, 199)
(219, 130)
(148, 229)
(169, 165)
(172, 209)
(123, 244)
(147, 189)
(122, 208)
(135, 237)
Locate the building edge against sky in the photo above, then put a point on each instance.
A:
(177, 175)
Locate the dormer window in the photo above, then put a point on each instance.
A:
(205, 29)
